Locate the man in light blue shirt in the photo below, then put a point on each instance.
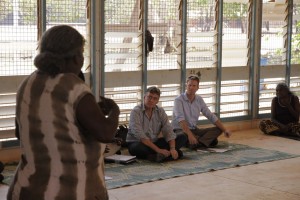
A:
(186, 112)
(150, 134)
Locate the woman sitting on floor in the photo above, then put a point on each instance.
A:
(285, 109)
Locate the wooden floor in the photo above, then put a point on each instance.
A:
(278, 180)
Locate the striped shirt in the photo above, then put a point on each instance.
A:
(58, 162)
(143, 127)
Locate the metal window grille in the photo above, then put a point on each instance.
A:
(123, 52)
(235, 51)
(273, 45)
(18, 44)
(295, 50)
(201, 46)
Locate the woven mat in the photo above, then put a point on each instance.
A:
(8, 172)
(193, 162)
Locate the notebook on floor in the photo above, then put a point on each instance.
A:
(123, 159)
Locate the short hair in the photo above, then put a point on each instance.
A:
(153, 90)
(58, 44)
(193, 78)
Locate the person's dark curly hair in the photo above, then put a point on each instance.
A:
(57, 45)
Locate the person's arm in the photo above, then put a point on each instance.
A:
(180, 119)
(273, 111)
(155, 148)
(94, 122)
(173, 150)
(283, 127)
(165, 127)
(213, 118)
(206, 111)
(17, 134)
(294, 109)
(185, 128)
(220, 125)
(167, 132)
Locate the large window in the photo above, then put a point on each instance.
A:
(235, 56)
(209, 38)
(123, 53)
(295, 49)
(274, 43)
(19, 32)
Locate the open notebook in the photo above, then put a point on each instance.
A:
(123, 159)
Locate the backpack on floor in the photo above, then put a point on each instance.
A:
(1, 170)
(122, 134)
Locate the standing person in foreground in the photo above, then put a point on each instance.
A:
(60, 125)
(186, 112)
(285, 109)
(146, 123)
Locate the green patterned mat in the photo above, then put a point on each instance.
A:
(193, 162)
(8, 172)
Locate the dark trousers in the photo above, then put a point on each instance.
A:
(205, 136)
(142, 151)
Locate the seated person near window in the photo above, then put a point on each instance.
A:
(186, 111)
(147, 122)
(285, 109)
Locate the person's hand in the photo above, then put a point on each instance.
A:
(107, 105)
(227, 133)
(192, 139)
(118, 141)
(106, 149)
(174, 153)
(165, 152)
(285, 102)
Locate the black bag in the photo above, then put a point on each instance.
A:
(149, 42)
(1, 167)
(1, 170)
(122, 134)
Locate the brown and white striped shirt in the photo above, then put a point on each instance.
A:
(58, 161)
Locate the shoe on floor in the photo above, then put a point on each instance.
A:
(180, 154)
(193, 146)
(214, 143)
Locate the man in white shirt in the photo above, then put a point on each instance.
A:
(186, 112)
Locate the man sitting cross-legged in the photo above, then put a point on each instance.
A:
(147, 121)
(186, 111)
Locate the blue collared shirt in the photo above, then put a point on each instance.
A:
(190, 111)
(141, 127)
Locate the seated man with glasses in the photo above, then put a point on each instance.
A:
(186, 112)
(150, 134)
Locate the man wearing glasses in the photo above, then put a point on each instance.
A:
(150, 134)
(186, 112)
